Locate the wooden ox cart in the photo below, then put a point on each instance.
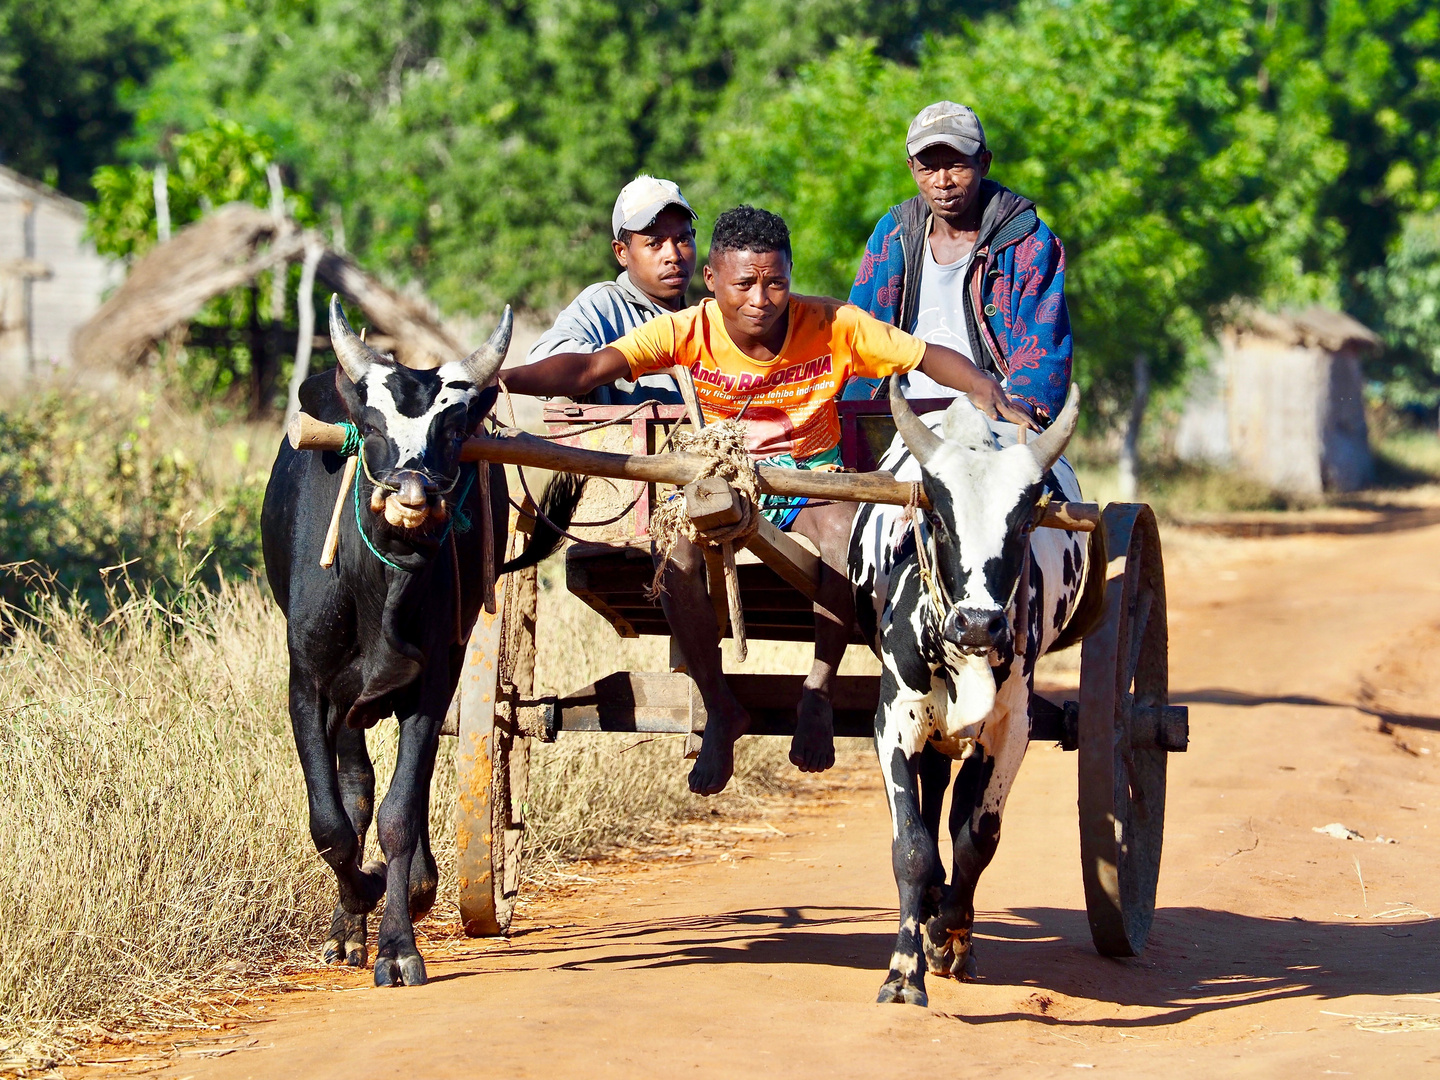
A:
(1121, 728)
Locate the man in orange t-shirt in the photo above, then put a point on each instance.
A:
(778, 361)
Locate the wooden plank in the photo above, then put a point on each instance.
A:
(661, 703)
(798, 565)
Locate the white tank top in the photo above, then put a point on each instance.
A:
(941, 318)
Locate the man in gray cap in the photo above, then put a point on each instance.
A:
(968, 264)
(653, 230)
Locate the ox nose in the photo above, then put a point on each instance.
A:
(976, 629)
(413, 489)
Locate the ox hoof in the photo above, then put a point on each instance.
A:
(351, 953)
(901, 992)
(953, 958)
(412, 970)
(407, 971)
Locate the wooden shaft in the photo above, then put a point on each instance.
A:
(678, 468)
(732, 598)
(332, 534)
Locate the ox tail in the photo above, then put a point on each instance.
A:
(557, 508)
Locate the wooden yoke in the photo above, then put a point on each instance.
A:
(680, 468)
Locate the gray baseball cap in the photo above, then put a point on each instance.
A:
(641, 201)
(945, 123)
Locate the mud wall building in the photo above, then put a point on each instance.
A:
(1285, 402)
(51, 279)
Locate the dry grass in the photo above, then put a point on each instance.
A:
(154, 838)
(154, 850)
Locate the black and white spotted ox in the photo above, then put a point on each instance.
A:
(958, 634)
(379, 632)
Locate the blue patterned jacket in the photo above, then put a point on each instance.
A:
(1016, 281)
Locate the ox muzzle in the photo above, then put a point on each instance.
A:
(978, 632)
(410, 499)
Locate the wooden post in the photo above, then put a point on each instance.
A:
(305, 306)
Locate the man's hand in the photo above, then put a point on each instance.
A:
(957, 371)
(995, 403)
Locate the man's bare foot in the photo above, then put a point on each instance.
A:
(813, 747)
(716, 762)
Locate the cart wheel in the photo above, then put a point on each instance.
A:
(493, 761)
(1124, 689)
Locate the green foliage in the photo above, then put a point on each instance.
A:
(221, 162)
(1405, 294)
(65, 72)
(1186, 153)
(1132, 124)
(1372, 69)
(479, 148)
(87, 484)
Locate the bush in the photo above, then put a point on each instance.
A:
(90, 483)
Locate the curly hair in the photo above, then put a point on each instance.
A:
(748, 228)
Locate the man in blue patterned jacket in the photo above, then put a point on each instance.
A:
(969, 265)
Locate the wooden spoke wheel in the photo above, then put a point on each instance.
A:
(1126, 730)
(492, 763)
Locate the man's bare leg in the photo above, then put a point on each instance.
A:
(813, 748)
(692, 624)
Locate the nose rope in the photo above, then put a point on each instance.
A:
(355, 445)
(458, 513)
(933, 582)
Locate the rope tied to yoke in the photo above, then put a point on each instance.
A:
(723, 444)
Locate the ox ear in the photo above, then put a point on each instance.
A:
(1050, 443)
(484, 363)
(919, 439)
(356, 358)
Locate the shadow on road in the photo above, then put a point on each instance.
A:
(1384, 519)
(1241, 699)
(1198, 960)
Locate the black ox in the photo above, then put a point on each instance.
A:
(379, 632)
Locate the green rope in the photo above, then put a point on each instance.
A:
(353, 441)
(364, 536)
(462, 517)
(459, 519)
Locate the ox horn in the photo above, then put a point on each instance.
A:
(485, 361)
(921, 441)
(1050, 443)
(354, 355)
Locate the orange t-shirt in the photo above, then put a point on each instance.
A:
(791, 400)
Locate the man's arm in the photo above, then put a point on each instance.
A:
(955, 370)
(567, 374)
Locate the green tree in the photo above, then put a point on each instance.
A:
(222, 161)
(65, 72)
(1136, 126)
(1404, 295)
(478, 148)
(1372, 68)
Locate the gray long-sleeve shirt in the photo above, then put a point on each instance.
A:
(603, 313)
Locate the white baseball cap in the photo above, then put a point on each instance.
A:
(641, 201)
(948, 124)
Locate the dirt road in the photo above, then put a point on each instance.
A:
(1276, 951)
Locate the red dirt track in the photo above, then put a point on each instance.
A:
(1268, 956)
